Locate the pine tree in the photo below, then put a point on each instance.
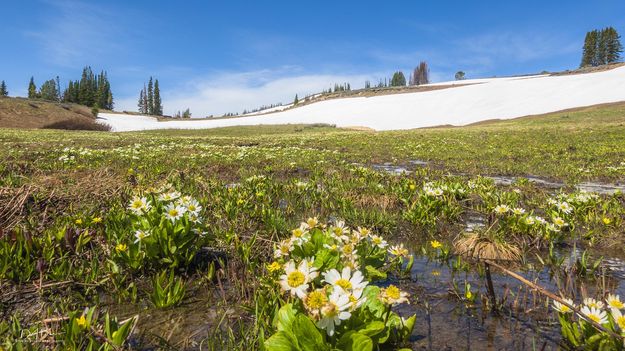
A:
(460, 75)
(150, 97)
(158, 106)
(296, 100)
(32, 89)
(140, 104)
(420, 75)
(398, 80)
(3, 89)
(602, 48)
(614, 48)
(48, 91)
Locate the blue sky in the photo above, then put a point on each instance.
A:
(217, 56)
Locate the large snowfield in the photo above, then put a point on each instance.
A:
(498, 98)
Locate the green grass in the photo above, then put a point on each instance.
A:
(255, 184)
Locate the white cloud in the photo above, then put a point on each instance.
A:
(235, 91)
(75, 33)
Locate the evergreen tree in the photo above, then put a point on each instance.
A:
(420, 75)
(614, 48)
(460, 75)
(186, 113)
(3, 89)
(140, 104)
(150, 97)
(589, 51)
(32, 89)
(398, 80)
(48, 91)
(145, 99)
(296, 100)
(158, 105)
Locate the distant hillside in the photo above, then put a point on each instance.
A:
(27, 113)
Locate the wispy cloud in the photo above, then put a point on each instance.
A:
(225, 92)
(75, 32)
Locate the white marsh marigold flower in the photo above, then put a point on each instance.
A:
(296, 279)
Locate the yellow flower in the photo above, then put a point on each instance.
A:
(274, 266)
(435, 244)
(121, 247)
(436, 273)
(82, 321)
(413, 187)
(78, 221)
(96, 220)
(393, 296)
(240, 202)
(607, 221)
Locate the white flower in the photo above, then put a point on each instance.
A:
(614, 302)
(334, 311)
(559, 222)
(174, 212)
(595, 314)
(398, 250)
(345, 281)
(393, 296)
(300, 235)
(618, 318)
(296, 280)
(563, 308)
(139, 204)
(518, 211)
(564, 207)
(170, 196)
(378, 241)
(590, 302)
(284, 248)
(501, 209)
(193, 206)
(530, 220)
(140, 235)
(552, 227)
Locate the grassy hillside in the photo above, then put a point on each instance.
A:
(27, 113)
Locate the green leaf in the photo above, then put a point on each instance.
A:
(284, 318)
(308, 336)
(281, 341)
(372, 329)
(374, 274)
(355, 341)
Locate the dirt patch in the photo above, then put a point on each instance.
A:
(26, 113)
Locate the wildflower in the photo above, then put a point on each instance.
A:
(96, 220)
(435, 244)
(296, 280)
(518, 211)
(614, 302)
(274, 266)
(398, 250)
(393, 296)
(378, 241)
(438, 192)
(300, 235)
(540, 220)
(315, 301)
(501, 209)
(312, 222)
(78, 221)
(333, 247)
(334, 311)
(564, 207)
(139, 204)
(559, 222)
(413, 187)
(606, 220)
(82, 321)
(436, 273)
(121, 248)
(595, 314)
(284, 249)
(170, 196)
(345, 280)
(173, 212)
(193, 206)
(530, 220)
(562, 308)
(140, 235)
(590, 302)
(363, 232)
(618, 318)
